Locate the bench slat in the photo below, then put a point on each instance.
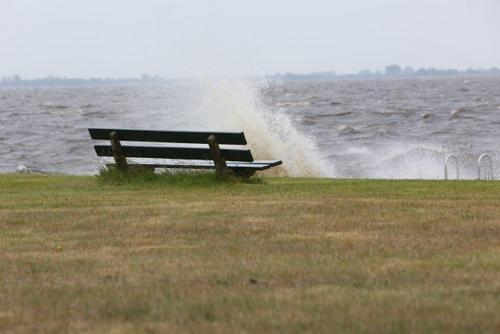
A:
(210, 165)
(271, 163)
(194, 137)
(187, 153)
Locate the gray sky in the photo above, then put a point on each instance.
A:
(189, 38)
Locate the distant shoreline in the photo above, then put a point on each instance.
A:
(300, 78)
(391, 72)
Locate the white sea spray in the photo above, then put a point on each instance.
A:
(235, 105)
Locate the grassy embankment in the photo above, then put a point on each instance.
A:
(189, 254)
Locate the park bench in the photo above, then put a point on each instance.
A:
(226, 161)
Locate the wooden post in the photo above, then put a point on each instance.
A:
(116, 147)
(220, 164)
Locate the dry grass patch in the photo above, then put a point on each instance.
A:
(175, 254)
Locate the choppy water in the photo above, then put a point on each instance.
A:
(372, 129)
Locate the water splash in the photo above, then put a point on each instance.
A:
(227, 104)
(398, 160)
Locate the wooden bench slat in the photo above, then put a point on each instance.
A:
(272, 163)
(194, 137)
(253, 165)
(186, 153)
(209, 165)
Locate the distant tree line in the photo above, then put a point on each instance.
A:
(396, 70)
(391, 71)
(16, 81)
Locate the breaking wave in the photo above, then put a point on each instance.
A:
(236, 105)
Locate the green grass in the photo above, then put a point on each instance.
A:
(188, 253)
(143, 177)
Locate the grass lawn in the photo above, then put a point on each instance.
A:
(189, 254)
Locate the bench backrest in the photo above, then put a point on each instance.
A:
(177, 137)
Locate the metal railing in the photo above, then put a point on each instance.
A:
(485, 167)
(446, 161)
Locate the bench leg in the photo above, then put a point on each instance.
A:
(116, 147)
(220, 164)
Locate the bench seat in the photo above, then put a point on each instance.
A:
(256, 165)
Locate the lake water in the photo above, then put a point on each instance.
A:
(353, 128)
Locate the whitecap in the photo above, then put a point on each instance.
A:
(293, 104)
(345, 129)
(457, 112)
(21, 169)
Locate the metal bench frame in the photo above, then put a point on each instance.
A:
(226, 161)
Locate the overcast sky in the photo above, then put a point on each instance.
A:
(190, 38)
